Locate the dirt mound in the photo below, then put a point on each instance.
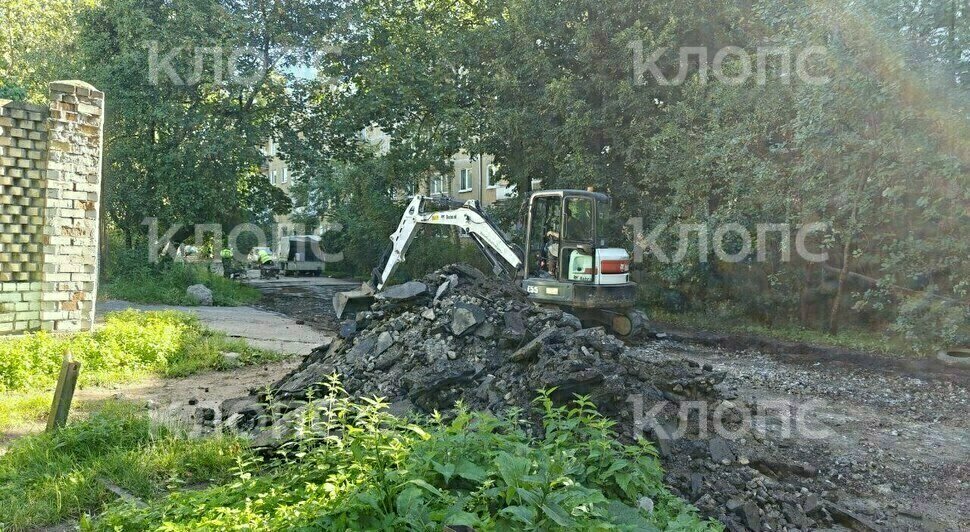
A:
(459, 335)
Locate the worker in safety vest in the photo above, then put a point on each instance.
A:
(227, 269)
(266, 267)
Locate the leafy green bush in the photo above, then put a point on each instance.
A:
(128, 276)
(47, 478)
(358, 467)
(129, 344)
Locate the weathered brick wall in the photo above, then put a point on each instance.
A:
(50, 183)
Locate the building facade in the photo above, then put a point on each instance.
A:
(471, 176)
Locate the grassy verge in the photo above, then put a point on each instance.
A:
(129, 346)
(358, 467)
(858, 340)
(166, 285)
(46, 479)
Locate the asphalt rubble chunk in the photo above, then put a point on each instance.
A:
(459, 335)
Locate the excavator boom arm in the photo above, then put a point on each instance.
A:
(468, 217)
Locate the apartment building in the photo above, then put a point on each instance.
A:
(278, 174)
(472, 176)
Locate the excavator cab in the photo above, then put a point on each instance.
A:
(570, 261)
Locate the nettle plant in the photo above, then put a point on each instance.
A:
(351, 464)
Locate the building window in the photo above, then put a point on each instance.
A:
(284, 175)
(464, 180)
(437, 185)
(490, 174)
(272, 177)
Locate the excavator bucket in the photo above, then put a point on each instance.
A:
(354, 300)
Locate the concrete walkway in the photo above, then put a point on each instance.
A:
(263, 329)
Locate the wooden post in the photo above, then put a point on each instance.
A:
(64, 393)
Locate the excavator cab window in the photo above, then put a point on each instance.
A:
(579, 220)
(608, 227)
(543, 246)
(577, 241)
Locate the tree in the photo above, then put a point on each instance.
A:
(36, 45)
(193, 90)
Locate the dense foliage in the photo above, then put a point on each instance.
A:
(876, 152)
(130, 344)
(867, 137)
(353, 465)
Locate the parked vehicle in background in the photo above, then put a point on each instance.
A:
(301, 255)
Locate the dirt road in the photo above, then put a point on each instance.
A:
(892, 451)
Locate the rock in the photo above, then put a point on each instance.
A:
(569, 320)
(532, 349)
(297, 384)
(204, 414)
(469, 272)
(465, 317)
(364, 346)
(200, 294)
(485, 331)
(794, 515)
(850, 519)
(811, 503)
(384, 341)
(445, 287)
(776, 468)
(428, 314)
(403, 292)
(720, 450)
(514, 326)
(749, 515)
(348, 329)
(645, 504)
(389, 357)
(232, 359)
(696, 485)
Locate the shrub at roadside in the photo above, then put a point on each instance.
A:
(358, 467)
(48, 478)
(129, 345)
(128, 276)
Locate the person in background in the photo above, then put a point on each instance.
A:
(227, 267)
(266, 267)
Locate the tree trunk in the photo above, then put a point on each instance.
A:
(804, 295)
(840, 289)
(846, 251)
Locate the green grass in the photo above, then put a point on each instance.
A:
(166, 285)
(46, 479)
(854, 339)
(129, 346)
(357, 467)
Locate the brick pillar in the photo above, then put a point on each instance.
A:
(23, 159)
(72, 205)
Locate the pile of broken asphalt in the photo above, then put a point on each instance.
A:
(459, 335)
